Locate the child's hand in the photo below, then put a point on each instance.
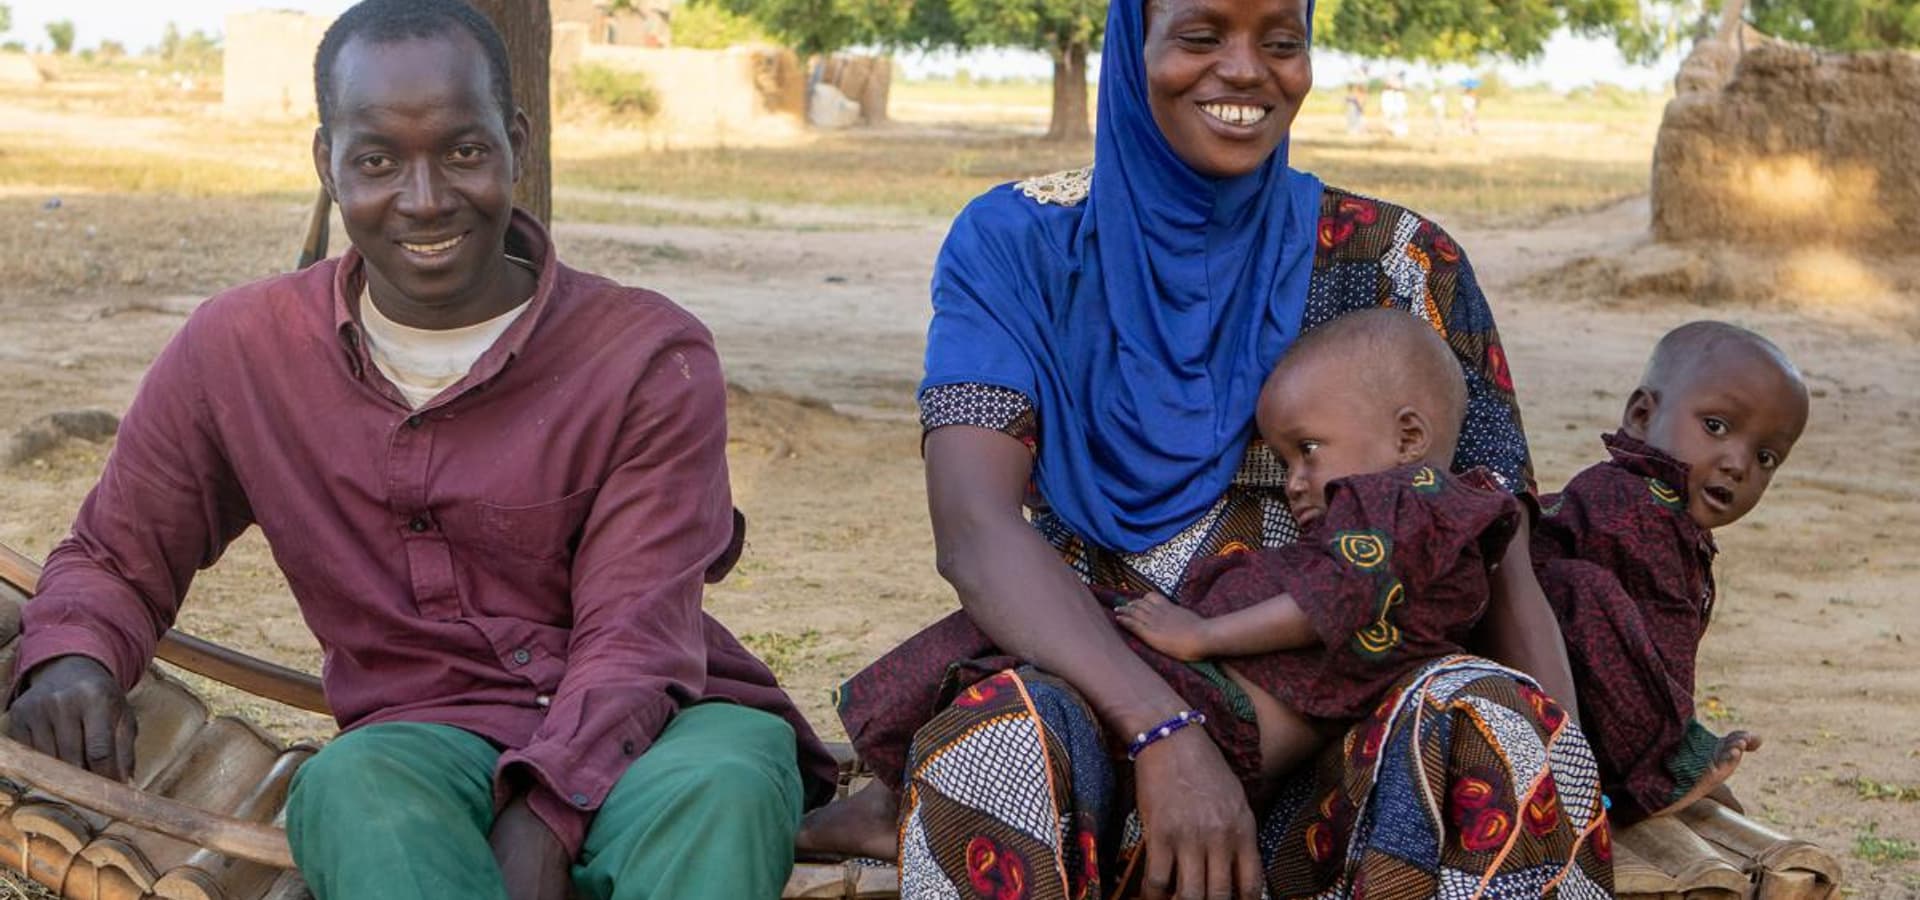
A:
(1165, 626)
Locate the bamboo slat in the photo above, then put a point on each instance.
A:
(1784, 868)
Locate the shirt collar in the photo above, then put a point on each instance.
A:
(1647, 461)
(526, 238)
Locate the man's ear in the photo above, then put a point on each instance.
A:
(323, 162)
(1414, 435)
(1641, 405)
(519, 136)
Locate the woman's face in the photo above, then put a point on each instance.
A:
(1226, 77)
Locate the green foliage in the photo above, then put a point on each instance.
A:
(1461, 30)
(1868, 789)
(112, 50)
(822, 26)
(6, 17)
(1049, 25)
(1469, 30)
(616, 90)
(708, 27)
(1872, 846)
(199, 51)
(1840, 24)
(61, 34)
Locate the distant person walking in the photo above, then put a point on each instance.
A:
(1356, 108)
(1437, 102)
(1470, 108)
(1393, 106)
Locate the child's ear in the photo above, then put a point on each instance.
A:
(1415, 435)
(1639, 413)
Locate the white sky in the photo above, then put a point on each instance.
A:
(1568, 62)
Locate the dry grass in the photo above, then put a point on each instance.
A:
(1539, 155)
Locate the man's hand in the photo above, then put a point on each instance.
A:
(532, 859)
(74, 710)
(1199, 828)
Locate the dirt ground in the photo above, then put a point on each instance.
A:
(822, 328)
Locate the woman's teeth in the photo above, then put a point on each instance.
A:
(1234, 113)
(447, 244)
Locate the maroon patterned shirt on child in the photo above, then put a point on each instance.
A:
(522, 557)
(1630, 576)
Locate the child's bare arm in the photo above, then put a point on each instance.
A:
(1274, 624)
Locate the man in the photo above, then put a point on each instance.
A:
(494, 484)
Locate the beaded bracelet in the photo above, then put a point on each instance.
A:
(1145, 739)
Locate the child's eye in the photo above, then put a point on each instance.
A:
(1307, 447)
(1715, 425)
(1769, 459)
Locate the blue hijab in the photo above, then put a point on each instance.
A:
(1140, 322)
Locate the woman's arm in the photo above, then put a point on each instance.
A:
(1199, 827)
(1520, 630)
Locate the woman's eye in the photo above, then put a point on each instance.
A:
(1198, 39)
(1715, 425)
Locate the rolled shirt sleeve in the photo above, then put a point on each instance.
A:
(638, 650)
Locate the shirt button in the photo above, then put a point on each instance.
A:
(626, 747)
(579, 800)
(521, 657)
(415, 421)
(419, 524)
(543, 701)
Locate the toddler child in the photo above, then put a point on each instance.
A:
(1625, 555)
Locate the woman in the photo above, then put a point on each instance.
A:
(1100, 336)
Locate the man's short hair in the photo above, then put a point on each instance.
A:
(390, 21)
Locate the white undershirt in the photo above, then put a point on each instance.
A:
(423, 362)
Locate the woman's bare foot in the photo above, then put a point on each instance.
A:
(865, 824)
(1726, 758)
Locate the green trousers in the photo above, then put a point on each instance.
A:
(401, 811)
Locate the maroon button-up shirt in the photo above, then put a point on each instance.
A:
(521, 558)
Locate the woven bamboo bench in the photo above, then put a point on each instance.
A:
(202, 819)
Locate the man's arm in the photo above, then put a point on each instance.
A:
(166, 506)
(638, 647)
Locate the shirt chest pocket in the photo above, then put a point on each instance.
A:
(546, 531)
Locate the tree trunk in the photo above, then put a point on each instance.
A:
(1069, 94)
(527, 27)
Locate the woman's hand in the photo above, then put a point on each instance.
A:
(1200, 832)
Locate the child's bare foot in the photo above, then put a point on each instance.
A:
(1165, 626)
(1726, 758)
(865, 824)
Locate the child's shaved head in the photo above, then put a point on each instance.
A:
(1396, 358)
(1363, 393)
(1685, 352)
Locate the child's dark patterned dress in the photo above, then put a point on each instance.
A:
(1393, 576)
(1630, 576)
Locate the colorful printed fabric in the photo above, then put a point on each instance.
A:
(1370, 254)
(1466, 781)
(1630, 576)
(1394, 576)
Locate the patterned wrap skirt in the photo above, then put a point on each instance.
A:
(1466, 781)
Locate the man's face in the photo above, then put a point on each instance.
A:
(422, 161)
(1733, 423)
(1325, 426)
